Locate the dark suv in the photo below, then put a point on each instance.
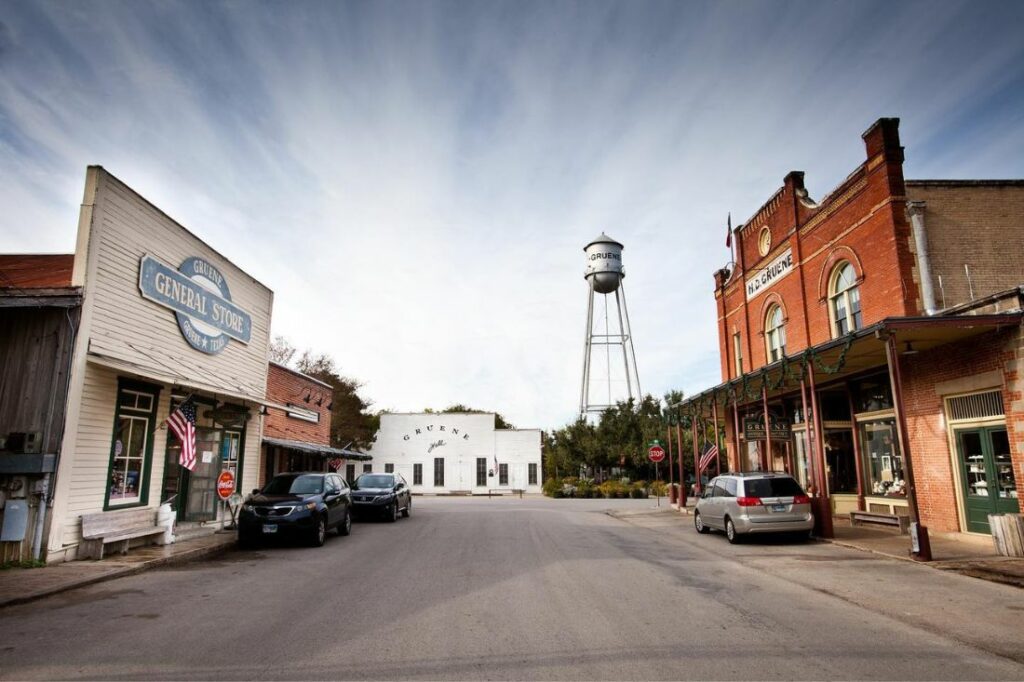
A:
(302, 504)
(386, 495)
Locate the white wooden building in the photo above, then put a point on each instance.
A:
(164, 316)
(440, 453)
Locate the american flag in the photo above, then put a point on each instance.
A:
(709, 456)
(183, 423)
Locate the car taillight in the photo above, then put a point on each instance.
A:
(801, 499)
(748, 501)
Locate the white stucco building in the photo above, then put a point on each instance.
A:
(457, 452)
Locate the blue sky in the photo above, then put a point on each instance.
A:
(416, 180)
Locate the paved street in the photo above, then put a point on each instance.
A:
(539, 589)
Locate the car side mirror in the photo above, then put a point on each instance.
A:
(255, 491)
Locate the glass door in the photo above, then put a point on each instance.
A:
(201, 485)
(989, 486)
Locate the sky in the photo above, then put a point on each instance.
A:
(416, 180)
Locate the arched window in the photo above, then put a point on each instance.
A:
(775, 333)
(844, 300)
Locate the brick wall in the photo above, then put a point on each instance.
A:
(927, 429)
(975, 223)
(286, 386)
(862, 221)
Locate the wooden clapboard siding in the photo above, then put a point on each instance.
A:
(117, 227)
(125, 227)
(35, 357)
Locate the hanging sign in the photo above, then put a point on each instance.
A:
(767, 276)
(228, 416)
(198, 294)
(753, 428)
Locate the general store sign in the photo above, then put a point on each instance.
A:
(767, 276)
(199, 296)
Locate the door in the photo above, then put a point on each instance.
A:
(201, 483)
(989, 486)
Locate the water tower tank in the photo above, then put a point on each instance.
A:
(604, 264)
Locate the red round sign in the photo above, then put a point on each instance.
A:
(656, 453)
(226, 484)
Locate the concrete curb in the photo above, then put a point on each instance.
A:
(183, 557)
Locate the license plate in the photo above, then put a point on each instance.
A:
(269, 527)
(778, 507)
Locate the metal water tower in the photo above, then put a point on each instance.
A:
(604, 275)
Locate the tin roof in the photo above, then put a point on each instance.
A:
(36, 270)
(315, 449)
(602, 239)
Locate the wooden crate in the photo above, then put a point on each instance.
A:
(1007, 533)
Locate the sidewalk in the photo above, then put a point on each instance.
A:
(20, 585)
(972, 555)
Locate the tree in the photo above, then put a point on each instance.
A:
(351, 420)
(499, 421)
(281, 350)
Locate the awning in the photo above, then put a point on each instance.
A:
(852, 354)
(148, 363)
(316, 449)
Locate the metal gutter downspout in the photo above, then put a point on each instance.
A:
(915, 209)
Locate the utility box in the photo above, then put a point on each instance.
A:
(15, 521)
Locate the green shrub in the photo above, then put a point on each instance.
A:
(551, 485)
(659, 488)
(557, 494)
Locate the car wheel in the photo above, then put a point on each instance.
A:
(392, 512)
(319, 533)
(408, 508)
(698, 523)
(345, 527)
(730, 532)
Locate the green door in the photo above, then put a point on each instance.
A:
(989, 485)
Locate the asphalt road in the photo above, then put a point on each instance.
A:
(526, 589)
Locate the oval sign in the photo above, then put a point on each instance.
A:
(226, 484)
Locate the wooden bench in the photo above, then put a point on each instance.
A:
(901, 522)
(116, 526)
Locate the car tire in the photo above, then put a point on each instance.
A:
(698, 523)
(319, 535)
(408, 508)
(731, 535)
(345, 527)
(246, 540)
(392, 512)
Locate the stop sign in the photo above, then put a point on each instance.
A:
(226, 484)
(656, 453)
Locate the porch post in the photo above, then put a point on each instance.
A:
(924, 552)
(668, 428)
(808, 431)
(679, 457)
(766, 457)
(696, 458)
(718, 440)
(856, 452)
(736, 436)
(824, 503)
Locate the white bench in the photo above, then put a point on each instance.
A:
(901, 522)
(116, 526)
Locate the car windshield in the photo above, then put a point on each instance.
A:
(375, 481)
(772, 487)
(307, 484)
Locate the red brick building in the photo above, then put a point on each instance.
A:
(878, 333)
(298, 437)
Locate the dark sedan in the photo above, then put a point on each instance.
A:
(305, 505)
(385, 495)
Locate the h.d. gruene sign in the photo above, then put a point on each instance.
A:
(770, 274)
(207, 319)
(753, 428)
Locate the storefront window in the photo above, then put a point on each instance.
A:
(873, 395)
(884, 463)
(132, 447)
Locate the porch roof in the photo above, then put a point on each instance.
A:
(850, 355)
(316, 449)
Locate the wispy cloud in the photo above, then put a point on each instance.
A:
(416, 180)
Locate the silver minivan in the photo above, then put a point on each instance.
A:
(754, 502)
